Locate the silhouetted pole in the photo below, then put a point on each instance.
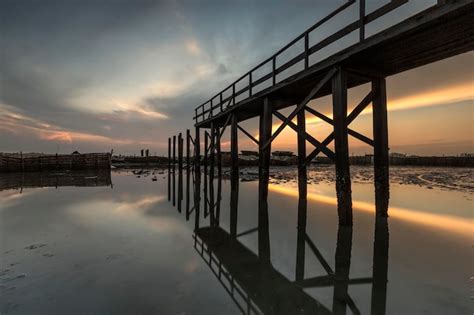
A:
(234, 176)
(218, 153)
(180, 152)
(302, 200)
(174, 168)
(206, 161)
(341, 145)
(180, 170)
(197, 178)
(197, 150)
(212, 145)
(169, 169)
(264, 173)
(206, 155)
(380, 130)
(188, 170)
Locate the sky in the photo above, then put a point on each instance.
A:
(125, 75)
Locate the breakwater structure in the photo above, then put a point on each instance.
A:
(54, 162)
(442, 30)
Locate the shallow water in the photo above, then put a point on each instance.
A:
(125, 249)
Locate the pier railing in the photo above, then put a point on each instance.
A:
(226, 98)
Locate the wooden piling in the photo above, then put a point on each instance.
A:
(180, 152)
(302, 200)
(234, 145)
(197, 150)
(218, 152)
(206, 162)
(169, 169)
(234, 176)
(380, 131)
(174, 169)
(264, 173)
(341, 145)
(180, 171)
(188, 170)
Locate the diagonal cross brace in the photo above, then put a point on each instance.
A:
(350, 118)
(219, 134)
(353, 133)
(300, 106)
(308, 137)
(248, 134)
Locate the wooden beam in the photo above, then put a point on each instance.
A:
(361, 137)
(264, 173)
(234, 144)
(169, 169)
(353, 133)
(174, 168)
(301, 106)
(359, 108)
(302, 198)
(319, 115)
(248, 134)
(380, 127)
(234, 176)
(197, 149)
(343, 179)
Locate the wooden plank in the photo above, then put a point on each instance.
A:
(343, 180)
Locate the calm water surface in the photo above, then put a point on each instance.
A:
(125, 249)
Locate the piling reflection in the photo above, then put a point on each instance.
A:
(250, 278)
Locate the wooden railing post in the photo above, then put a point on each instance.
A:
(274, 70)
(362, 20)
(306, 51)
(233, 94)
(250, 83)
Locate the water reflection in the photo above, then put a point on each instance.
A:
(85, 178)
(254, 284)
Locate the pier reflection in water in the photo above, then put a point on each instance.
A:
(251, 280)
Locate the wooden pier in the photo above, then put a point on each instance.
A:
(441, 31)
